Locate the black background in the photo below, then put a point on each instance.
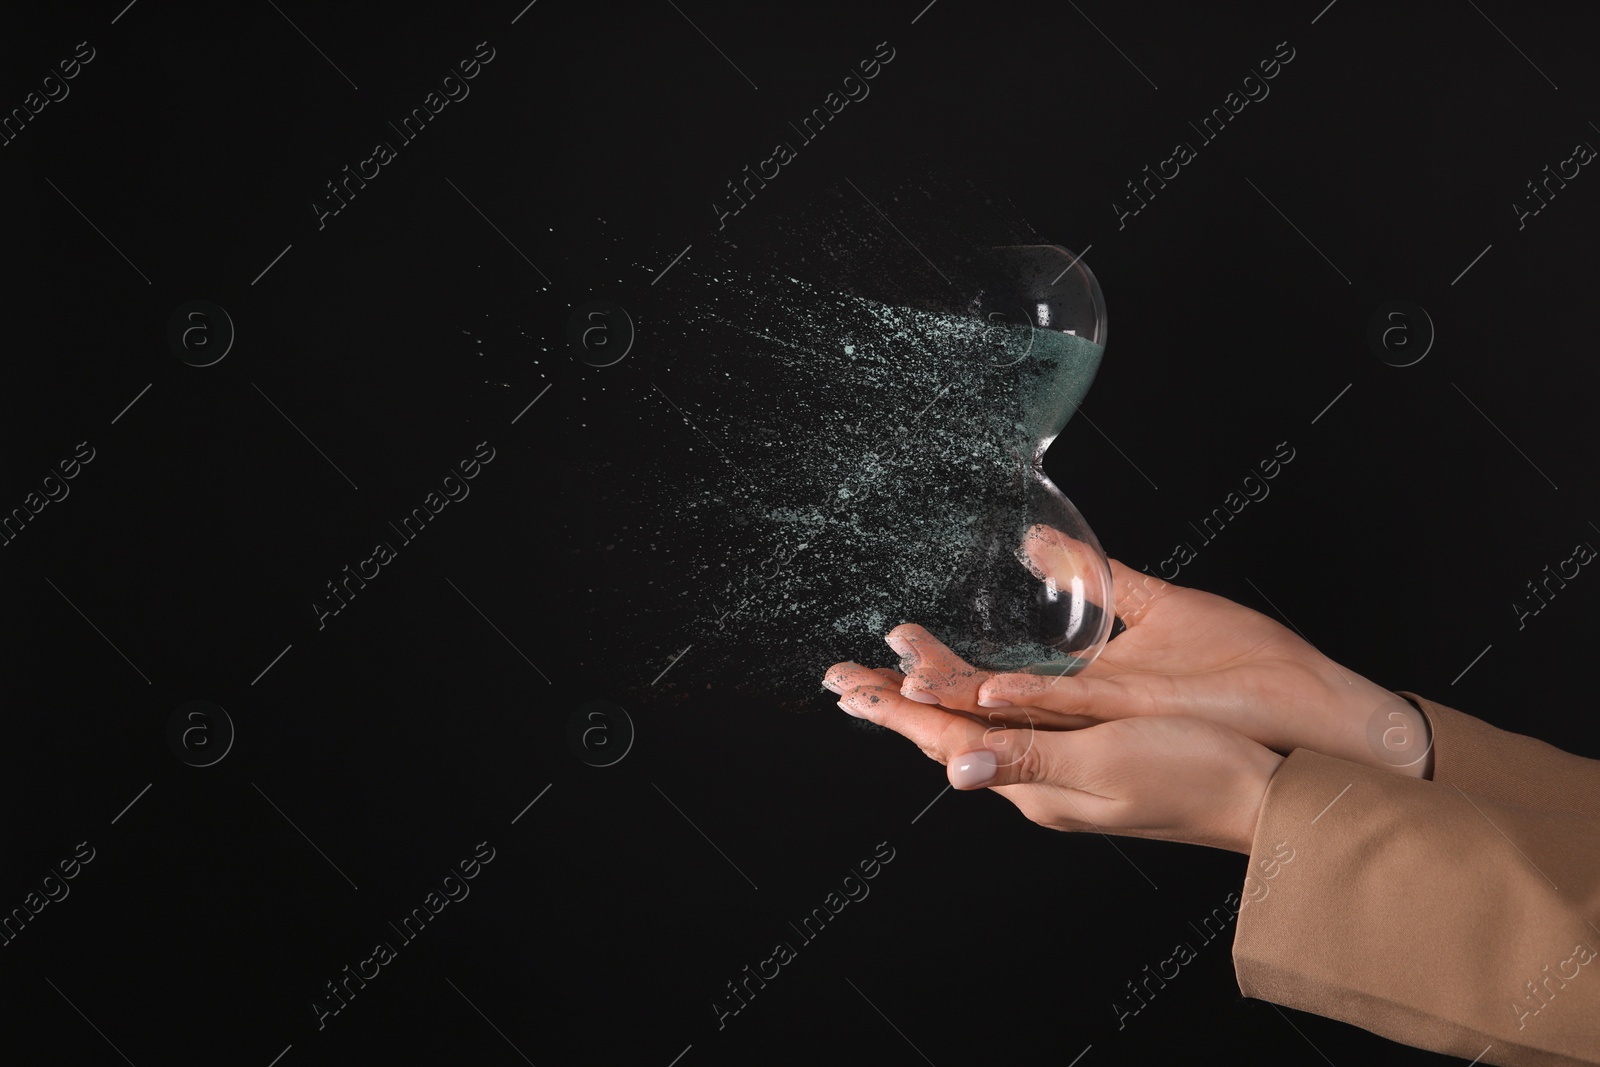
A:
(411, 327)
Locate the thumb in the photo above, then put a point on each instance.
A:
(1014, 756)
(1135, 591)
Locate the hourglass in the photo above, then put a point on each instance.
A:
(1029, 587)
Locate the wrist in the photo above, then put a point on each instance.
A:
(1256, 775)
(1398, 737)
(1367, 724)
(1423, 766)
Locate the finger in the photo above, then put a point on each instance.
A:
(1077, 573)
(1051, 554)
(934, 674)
(1022, 716)
(992, 754)
(843, 677)
(934, 730)
(1065, 701)
(978, 758)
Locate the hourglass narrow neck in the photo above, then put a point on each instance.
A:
(1055, 380)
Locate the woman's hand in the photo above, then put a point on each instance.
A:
(1188, 653)
(1169, 778)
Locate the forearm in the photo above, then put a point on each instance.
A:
(1486, 761)
(1425, 914)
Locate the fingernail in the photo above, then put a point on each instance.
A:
(832, 686)
(972, 769)
(848, 710)
(919, 696)
(901, 646)
(991, 703)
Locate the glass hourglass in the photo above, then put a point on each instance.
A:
(1029, 587)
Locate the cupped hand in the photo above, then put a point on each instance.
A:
(1190, 653)
(1168, 778)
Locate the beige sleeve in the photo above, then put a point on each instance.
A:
(1467, 924)
(1489, 762)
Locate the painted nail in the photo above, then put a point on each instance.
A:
(833, 686)
(994, 703)
(919, 696)
(848, 710)
(901, 646)
(972, 769)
